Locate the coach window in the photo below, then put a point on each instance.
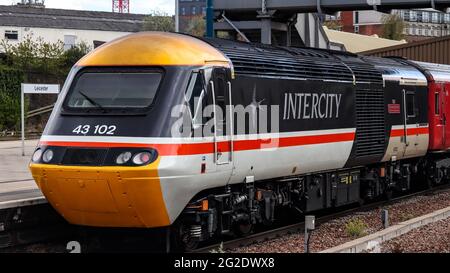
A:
(436, 103)
(195, 95)
(410, 105)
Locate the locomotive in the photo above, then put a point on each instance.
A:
(346, 129)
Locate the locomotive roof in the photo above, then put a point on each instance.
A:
(439, 72)
(396, 69)
(154, 48)
(252, 59)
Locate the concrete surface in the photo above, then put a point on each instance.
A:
(17, 187)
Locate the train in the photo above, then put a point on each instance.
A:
(209, 137)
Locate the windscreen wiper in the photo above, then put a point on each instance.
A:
(92, 101)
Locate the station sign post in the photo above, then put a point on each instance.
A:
(27, 88)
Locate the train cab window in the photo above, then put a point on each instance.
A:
(114, 90)
(436, 103)
(220, 87)
(410, 105)
(194, 96)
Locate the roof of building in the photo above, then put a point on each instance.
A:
(20, 16)
(358, 43)
(435, 50)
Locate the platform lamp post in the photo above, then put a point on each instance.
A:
(210, 18)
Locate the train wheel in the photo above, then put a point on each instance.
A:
(429, 183)
(388, 194)
(243, 228)
(183, 239)
(441, 176)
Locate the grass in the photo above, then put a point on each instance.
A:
(219, 249)
(406, 217)
(356, 228)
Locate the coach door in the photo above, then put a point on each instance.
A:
(223, 119)
(439, 116)
(445, 114)
(410, 122)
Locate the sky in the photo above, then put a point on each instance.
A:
(137, 6)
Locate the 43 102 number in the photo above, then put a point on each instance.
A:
(98, 129)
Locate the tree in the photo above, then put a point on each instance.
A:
(159, 21)
(393, 26)
(333, 24)
(75, 53)
(197, 26)
(38, 56)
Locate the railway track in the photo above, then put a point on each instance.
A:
(299, 227)
(39, 233)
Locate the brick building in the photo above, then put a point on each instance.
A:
(188, 9)
(419, 24)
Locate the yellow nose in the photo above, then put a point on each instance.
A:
(104, 196)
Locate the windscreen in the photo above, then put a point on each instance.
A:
(134, 90)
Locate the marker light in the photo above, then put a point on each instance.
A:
(142, 158)
(48, 156)
(37, 155)
(123, 158)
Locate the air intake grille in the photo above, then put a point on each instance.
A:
(370, 122)
(285, 64)
(365, 72)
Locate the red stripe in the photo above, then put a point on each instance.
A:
(208, 148)
(410, 132)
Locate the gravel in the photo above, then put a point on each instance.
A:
(335, 232)
(432, 238)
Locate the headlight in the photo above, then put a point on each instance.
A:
(142, 158)
(37, 155)
(123, 158)
(48, 156)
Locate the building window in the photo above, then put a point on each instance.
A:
(356, 17)
(11, 35)
(447, 18)
(435, 17)
(183, 11)
(413, 16)
(406, 15)
(204, 10)
(194, 10)
(426, 17)
(69, 41)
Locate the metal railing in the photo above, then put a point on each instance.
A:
(40, 111)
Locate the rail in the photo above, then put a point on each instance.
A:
(299, 227)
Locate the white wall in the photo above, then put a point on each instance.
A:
(53, 35)
(368, 17)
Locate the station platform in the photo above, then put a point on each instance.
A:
(17, 187)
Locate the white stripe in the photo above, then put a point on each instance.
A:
(168, 140)
(409, 126)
